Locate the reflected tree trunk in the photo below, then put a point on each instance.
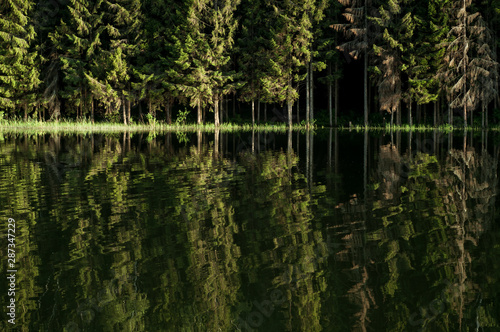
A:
(253, 141)
(216, 142)
(199, 140)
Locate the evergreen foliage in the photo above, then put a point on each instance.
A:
(19, 75)
(116, 58)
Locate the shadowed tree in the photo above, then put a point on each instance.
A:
(469, 60)
(356, 29)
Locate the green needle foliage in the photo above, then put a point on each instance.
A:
(19, 77)
(118, 60)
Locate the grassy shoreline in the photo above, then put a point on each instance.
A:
(84, 126)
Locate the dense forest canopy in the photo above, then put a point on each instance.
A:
(128, 60)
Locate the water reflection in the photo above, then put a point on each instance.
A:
(253, 231)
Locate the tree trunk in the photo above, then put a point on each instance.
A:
(435, 113)
(409, 114)
(330, 95)
(366, 92)
(366, 67)
(265, 112)
(216, 112)
(128, 110)
(290, 105)
(482, 116)
(419, 114)
(311, 86)
(92, 108)
(221, 110)
(253, 112)
(234, 104)
(336, 96)
(169, 112)
(199, 113)
(308, 95)
(226, 109)
(258, 111)
(124, 110)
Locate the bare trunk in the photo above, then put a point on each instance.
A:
(258, 111)
(465, 62)
(366, 68)
(169, 112)
(311, 86)
(435, 113)
(336, 96)
(253, 112)
(308, 96)
(330, 95)
(482, 116)
(221, 111)
(199, 113)
(92, 108)
(128, 110)
(290, 106)
(216, 111)
(234, 104)
(409, 114)
(265, 112)
(124, 110)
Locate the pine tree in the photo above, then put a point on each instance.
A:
(115, 65)
(389, 48)
(157, 70)
(251, 50)
(470, 61)
(205, 53)
(290, 50)
(77, 42)
(19, 77)
(328, 54)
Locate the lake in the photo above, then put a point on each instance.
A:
(331, 231)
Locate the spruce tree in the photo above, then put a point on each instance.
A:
(110, 75)
(328, 55)
(251, 49)
(157, 70)
(290, 50)
(205, 53)
(19, 76)
(389, 49)
(77, 41)
(470, 63)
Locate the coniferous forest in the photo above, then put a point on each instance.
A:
(327, 61)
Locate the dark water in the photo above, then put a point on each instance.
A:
(230, 232)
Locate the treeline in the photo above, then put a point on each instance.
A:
(118, 59)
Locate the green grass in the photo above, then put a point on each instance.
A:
(85, 126)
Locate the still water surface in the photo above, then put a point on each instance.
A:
(252, 232)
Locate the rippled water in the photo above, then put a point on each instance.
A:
(242, 232)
